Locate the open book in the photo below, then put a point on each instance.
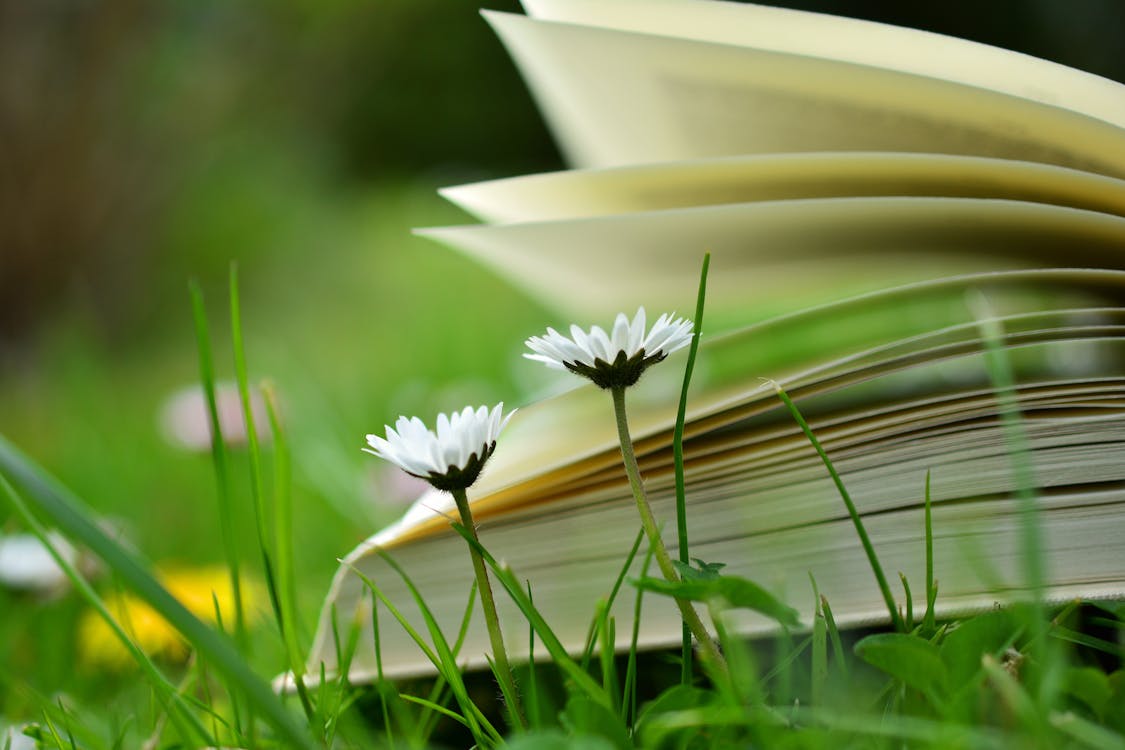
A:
(855, 184)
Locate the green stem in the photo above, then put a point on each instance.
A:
(491, 619)
(660, 552)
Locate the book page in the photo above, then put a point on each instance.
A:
(851, 40)
(744, 179)
(765, 506)
(615, 97)
(779, 256)
(842, 342)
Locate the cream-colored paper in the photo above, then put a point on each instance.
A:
(851, 40)
(617, 97)
(780, 255)
(742, 179)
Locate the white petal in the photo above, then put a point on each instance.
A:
(637, 332)
(622, 332)
(599, 345)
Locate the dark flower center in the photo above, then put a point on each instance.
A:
(460, 478)
(621, 373)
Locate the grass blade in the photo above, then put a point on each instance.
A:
(678, 459)
(441, 656)
(819, 675)
(283, 546)
(64, 510)
(254, 452)
(868, 548)
(604, 609)
(219, 458)
(834, 636)
(629, 700)
(551, 641)
(928, 626)
(185, 720)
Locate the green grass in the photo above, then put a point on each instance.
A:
(280, 511)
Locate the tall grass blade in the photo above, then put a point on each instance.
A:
(438, 690)
(1003, 384)
(436, 708)
(219, 458)
(181, 715)
(819, 672)
(610, 681)
(931, 587)
(678, 459)
(868, 548)
(66, 511)
(379, 679)
(740, 685)
(547, 636)
(909, 625)
(440, 656)
(605, 607)
(834, 636)
(257, 490)
(533, 718)
(1042, 649)
(283, 545)
(630, 692)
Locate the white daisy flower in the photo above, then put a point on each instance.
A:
(618, 358)
(449, 459)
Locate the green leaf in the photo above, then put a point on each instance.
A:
(553, 739)
(734, 591)
(1115, 608)
(583, 716)
(677, 698)
(1115, 709)
(963, 646)
(1090, 686)
(912, 660)
(700, 571)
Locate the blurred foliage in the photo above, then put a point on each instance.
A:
(123, 120)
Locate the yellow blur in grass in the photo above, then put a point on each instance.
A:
(198, 589)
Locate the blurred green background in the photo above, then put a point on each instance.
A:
(146, 142)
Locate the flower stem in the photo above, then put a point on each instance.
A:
(660, 552)
(491, 619)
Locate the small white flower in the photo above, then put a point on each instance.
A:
(25, 563)
(449, 459)
(618, 358)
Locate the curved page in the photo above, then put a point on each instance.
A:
(743, 179)
(851, 40)
(616, 97)
(779, 256)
